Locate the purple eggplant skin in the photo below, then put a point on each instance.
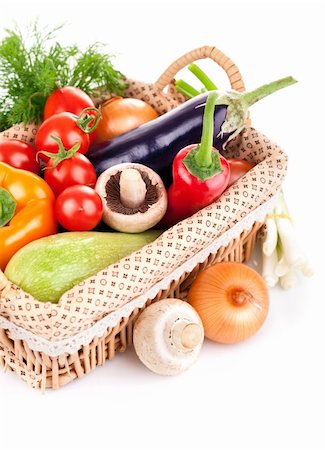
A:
(156, 143)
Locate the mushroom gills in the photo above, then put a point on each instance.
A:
(134, 197)
(130, 195)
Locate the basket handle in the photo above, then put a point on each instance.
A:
(216, 55)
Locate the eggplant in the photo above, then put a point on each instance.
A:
(156, 143)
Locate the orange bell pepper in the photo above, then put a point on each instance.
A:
(28, 203)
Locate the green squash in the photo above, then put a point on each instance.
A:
(48, 267)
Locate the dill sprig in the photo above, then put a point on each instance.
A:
(29, 73)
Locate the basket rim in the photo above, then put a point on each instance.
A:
(59, 321)
(72, 344)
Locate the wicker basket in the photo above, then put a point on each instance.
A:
(33, 335)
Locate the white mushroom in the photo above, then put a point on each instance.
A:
(134, 197)
(168, 336)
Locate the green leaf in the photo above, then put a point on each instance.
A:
(7, 207)
(29, 74)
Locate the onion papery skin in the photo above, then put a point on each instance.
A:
(119, 115)
(213, 293)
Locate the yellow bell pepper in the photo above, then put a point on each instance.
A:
(26, 210)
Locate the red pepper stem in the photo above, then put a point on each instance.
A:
(203, 162)
(203, 156)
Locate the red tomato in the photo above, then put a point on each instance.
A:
(238, 168)
(69, 172)
(79, 208)
(64, 126)
(67, 99)
(18, 154)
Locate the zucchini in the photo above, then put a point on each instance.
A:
(48, 267)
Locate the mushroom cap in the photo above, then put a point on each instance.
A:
(168, 336)
(138, 221)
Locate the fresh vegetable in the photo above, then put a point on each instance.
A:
(202, 76)
(69, 128)
(67, 99)
(68, 168)
(200, 174)
(30, 73)
(238, 168)
(18, 154)
(70, 99)
(156, 143)
(289, 279)
(269, 269)
(187, 90)
(282, 255)
(271, 236)
(79, 208)
(119, 115)
(48, 267)
(232, 301)
(168, 336)
(134, 197)
(32, 215)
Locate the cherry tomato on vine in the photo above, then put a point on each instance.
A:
(238, 168)
(69, 172)
(64, 126)
(79, 208)
(18, 154)
(67, 99)
(69, 128)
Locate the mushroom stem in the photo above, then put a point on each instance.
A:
(191, 336)
(132, 188)
(186, 335)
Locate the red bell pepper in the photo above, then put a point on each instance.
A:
(200, 173)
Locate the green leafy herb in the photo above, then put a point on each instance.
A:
(29, 73)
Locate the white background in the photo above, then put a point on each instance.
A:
(266, 393)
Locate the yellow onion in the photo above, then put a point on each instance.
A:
(119, 115)
(232, 300)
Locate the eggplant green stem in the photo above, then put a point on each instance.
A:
(263, 91)
(203, 156)
(238, 103)
(203, 77)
